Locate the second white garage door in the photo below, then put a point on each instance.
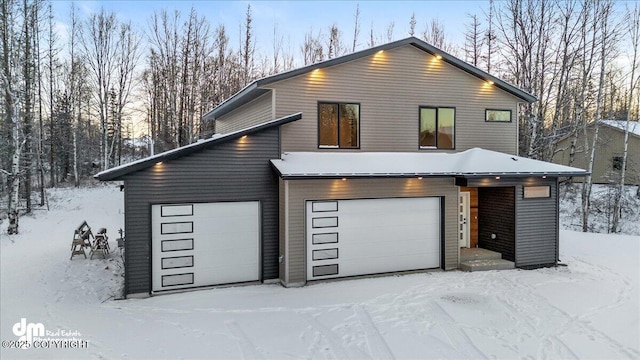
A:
(358, 237)
(204, 244)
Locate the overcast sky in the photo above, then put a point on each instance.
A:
(295, 18)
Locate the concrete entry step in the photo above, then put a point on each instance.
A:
(485, 265)
(470, 254)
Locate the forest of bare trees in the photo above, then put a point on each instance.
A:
(76, 106)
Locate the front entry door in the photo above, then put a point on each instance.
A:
(463, 219)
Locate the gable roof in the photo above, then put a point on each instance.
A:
(474, 162)
(117, 172)
(254, 90)
(634, 126)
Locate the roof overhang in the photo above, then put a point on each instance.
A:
(117, 172)
(472, 163)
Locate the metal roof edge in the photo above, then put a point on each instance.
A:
(117, 172)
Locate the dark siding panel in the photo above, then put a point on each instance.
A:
(537, 228)
(234, 171)
(496, 216)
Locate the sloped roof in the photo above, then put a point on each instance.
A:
(254, 90)
(634, 126)
(474, 162)
(119, 171)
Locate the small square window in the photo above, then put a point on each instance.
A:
(493, 115)
(617, 163)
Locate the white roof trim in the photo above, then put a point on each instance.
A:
(472, 162)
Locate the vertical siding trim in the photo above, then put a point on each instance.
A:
(557, 221)
(286, 232)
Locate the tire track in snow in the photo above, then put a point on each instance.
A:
(377, 345)
(336, 345)
(249, 350)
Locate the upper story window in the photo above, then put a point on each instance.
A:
(338, 125)
(437, 127)
(493, 115)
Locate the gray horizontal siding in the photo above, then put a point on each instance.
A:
(251, 114)
(390, 87)
(302, 190)
(537, 227)
(238, 170)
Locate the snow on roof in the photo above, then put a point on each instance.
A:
(634, 126)
(472, 162)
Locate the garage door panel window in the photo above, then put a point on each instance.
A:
(324, 206)
(176, 210)
(177, 262)
(176, 228)
(325, 238)
(325, 270)
(177, 245)
(325, 254)
(177, 279)
(325, 222)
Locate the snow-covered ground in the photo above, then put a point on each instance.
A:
(588, 309)
(601, 214)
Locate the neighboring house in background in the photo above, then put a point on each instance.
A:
(607, 164)
(389, 159)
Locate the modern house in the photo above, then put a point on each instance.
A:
(386, 160)
(607, 163)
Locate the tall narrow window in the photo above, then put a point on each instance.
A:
(437, 128)
(338, 125)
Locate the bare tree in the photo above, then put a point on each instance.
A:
(356, 28)
(434, 34)
(633, 20)
(605, 35)
(10, 62)
(412, 24)
(490, 36)
(99, 37)
(335, 47)
(312, 49)
(473, 41)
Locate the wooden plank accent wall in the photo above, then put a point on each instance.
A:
(496, 210)
(537, 227)
(390, 87)
(251, 114)
(302, 190)
(237, 170)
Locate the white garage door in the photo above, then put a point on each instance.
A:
(204, 244)
(357, 237)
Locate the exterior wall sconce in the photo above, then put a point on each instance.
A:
(344, 179)
(490, 82)
(438, 56)
(497, 177)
